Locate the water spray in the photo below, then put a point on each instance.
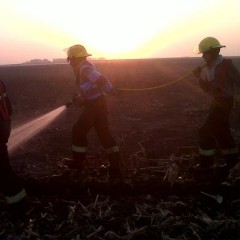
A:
(30, 129)
(25, 132)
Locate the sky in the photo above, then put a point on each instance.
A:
(115, 29)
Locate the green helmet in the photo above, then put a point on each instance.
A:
(209, 43)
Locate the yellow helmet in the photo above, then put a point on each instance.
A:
(208, 43)
(77, 51)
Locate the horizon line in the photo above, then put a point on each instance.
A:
(104, 59)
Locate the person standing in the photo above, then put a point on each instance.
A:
(218, 79)
(10, 185)
(92, 87)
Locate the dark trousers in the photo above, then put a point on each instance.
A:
(9, 182)
(215, 132)
(94, 115)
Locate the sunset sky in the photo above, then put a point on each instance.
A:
(115, 29)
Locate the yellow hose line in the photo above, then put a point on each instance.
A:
(159, 86)
(156, 87)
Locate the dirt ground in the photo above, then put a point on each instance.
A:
(157, 132)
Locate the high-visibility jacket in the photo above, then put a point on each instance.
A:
(92, 83)
(219, 79)
(5, 105)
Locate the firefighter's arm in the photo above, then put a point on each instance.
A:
(102, 82)
(8, 102)
(197, 72)
(9, 106)
(205, 86)
(76, 100)
(106, 86)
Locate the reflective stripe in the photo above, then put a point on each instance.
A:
(16, 198)
(94, 75)
(3, 96)
(207, 152)
(87, 78)
(112, 150)
(79, 149)
(229, 151)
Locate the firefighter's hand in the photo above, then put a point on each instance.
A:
(69, 103)
(78, 100)
(197, 72)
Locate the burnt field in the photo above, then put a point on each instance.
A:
(157, 132)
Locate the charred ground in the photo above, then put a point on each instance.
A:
(157, 132)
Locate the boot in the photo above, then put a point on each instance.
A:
(17, 211)
(205, 164)
(115, 166)
(78, 161)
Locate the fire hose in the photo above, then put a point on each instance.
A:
(78, 100)
(160, 86)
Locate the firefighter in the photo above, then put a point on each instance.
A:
(92, 87)
(10, 185)
(218, 79)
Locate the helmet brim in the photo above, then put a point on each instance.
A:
(200, 52)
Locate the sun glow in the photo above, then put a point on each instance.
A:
(124, 28)
(113, 28)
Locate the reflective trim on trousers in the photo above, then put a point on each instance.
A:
(207, 152)
(229, 151)
(16, 198)
(113, 149)
(79, 149)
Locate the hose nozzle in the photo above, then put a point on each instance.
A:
(76, 100)
(69, 103)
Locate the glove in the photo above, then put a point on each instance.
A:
(197, 72)
(69, 103)
(76, 100)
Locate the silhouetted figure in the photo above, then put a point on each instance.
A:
(218, 80)
(92, 87)
(9, 183)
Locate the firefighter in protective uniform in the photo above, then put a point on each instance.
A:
(92, 87)
(10, 185)
(218, 80)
